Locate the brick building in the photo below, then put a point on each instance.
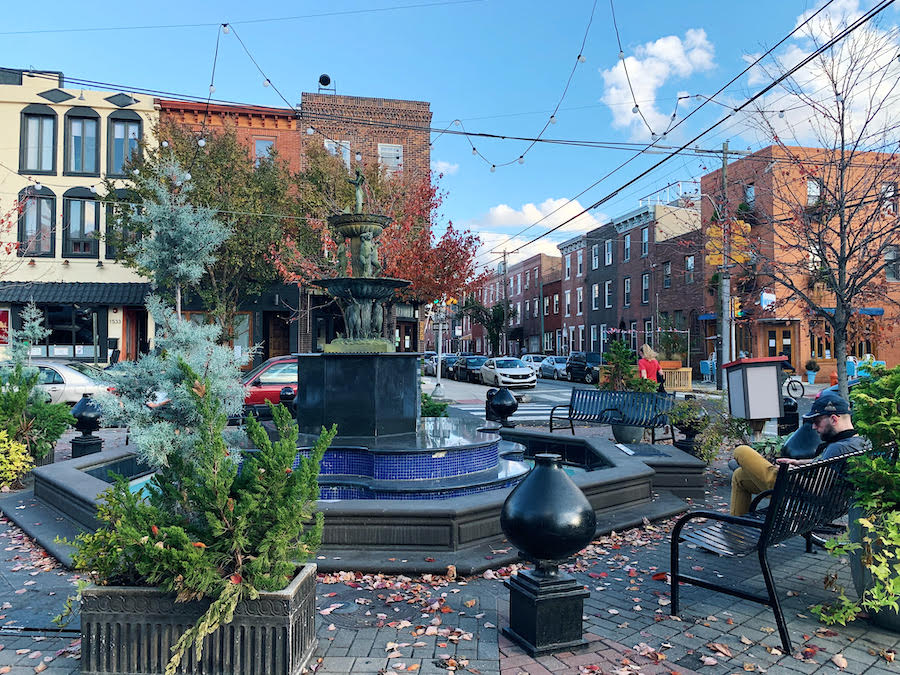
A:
(778, 190)
(572, 289)
(552, 312)
(356, 129)
(525, 280)
(645, 273)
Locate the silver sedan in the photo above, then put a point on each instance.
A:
(65, 380)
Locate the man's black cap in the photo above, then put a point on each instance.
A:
(829, 403)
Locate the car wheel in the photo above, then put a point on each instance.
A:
(569, 376)
(555, 374)
(587, 378)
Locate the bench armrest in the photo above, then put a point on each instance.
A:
(758, 498)
(559, 407)
(614, 415)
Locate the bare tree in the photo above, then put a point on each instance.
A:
(823, 197)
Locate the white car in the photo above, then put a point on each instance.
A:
(533, 361)
(507, 372)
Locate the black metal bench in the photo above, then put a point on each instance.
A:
(639, 409)
(804, 498)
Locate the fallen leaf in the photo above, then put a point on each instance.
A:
(414, 666)
(839, 661)
(720, 648)
(40, 668)
(745, 640)
(708, 661)
(750, 667)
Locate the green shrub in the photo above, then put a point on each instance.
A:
(621, 370)
(433, 408)
(15, 462)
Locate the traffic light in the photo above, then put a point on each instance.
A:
(452, 301)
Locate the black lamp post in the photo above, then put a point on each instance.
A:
(87, 420)
(548, 518)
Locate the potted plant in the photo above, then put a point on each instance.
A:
(690, 418)
(812, 367)
(620, 374)
(872, 545)
(671, 345)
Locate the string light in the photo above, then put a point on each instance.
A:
(212, 89)
(474, 150)
(581, 58)
(38, 186)
(165, 144)
(781, 114)
(621, 56)
(521, 159)
(310, 131)
(493, 168)
(226, 28)
(94, 189)
(358, 156)
(552, 119)
(187, 175)
(636, 109)
(201, 142)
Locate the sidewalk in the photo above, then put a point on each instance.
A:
(375, 624)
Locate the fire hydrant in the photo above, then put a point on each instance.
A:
(833, 377)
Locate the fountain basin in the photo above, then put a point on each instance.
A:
(364, 288)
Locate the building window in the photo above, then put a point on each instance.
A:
(667, 274)
(527, 278)
(568, 266)
(595, 256)
(81, 219)
(632, 329)
(645, 288)
(602, 338)
(519, 312)
(750, 194)
(648, 331)
(340, 149)
(892, 258)
(688, 269)
(627, 294)
(593, 337)
(568, 303)
(645, 241)
(390, 156)
(262, 149)
(38, 153)
(82, 151)
(124, 140)
(546, 305)
(581, 337)
(534, 308)
(608, 251)
(607, 294)
(579, 301)
(888, 198)
(556, 303)
(813, 191)
(72, 332)
(36, 231)
(519, 284)
(580, 263)
(627, 255)
(595, 296)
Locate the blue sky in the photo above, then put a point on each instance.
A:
(499, 66)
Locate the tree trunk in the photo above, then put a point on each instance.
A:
(178, 299)
(840, 358)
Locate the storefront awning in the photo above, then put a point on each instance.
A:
(61, 293)
(707, 317)
(869, 311)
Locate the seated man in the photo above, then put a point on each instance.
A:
(830, 417)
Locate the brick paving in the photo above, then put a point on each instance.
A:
(372, 625)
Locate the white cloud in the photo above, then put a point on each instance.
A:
(503, 221)
(649, 68)
(446, 168)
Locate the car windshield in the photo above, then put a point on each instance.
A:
(510, 363)
(559, 359)
(86, 370)
(592, 357)
(477, 361)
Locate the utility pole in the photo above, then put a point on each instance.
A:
(505, 308)
(724, 341)
(439, 315)
(541, 303)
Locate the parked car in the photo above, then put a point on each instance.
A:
(553, 367)
(447, 360)
(265, 382)
(507, 372)
(65, 380)
(468, 368)
(430, 365)
(581, 366)
(533, 361)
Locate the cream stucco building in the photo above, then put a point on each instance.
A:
(59, 144)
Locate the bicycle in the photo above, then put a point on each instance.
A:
(795, 388)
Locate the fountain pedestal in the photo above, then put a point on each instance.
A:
(364, 394)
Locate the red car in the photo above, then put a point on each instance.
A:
(265, 382)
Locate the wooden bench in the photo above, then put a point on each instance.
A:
(639, 409)
(805, 498)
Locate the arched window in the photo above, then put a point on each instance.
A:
(37, 140)
(124, 129)
(37, 230)
(82, 149)
(81, 224)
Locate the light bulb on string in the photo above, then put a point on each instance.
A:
(94, 189)
(493, 168)
(212, 89)
(552, 119)
(839, 98)
(201, 142)
(457, 122)
(635, 109)
(310, 131)
(581, 58)
(358, 156)
(187, 176)
(38, 187)
(474, 150)
(622, 56)
(521, 159)
(226, 28)
(136, 172)
(266, 82)
(781, 114)
(165, 144)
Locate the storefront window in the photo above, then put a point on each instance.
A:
(73, 332)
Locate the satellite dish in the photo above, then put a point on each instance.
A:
(324, 80)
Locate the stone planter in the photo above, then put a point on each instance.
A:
(626, 433)
(128, 630)
(862, 577)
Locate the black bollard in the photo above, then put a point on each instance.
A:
(87, 420)
(499, 405)
(548, 518)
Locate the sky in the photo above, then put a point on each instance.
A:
(495, 66)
